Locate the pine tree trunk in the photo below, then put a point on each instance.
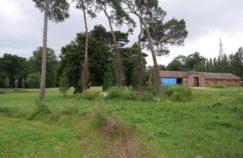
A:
(139, 68)
(156, 72)
(85, 73)
(44, 55)
(117, 59)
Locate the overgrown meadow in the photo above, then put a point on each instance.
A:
(207, 125)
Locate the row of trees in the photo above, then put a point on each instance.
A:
(19, 72)
(232, 63)
(155, 32)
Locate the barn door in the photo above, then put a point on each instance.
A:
(196, 82)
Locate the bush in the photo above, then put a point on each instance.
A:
(89, 95)
(217, 86)
(151, 89)
(33, 80)
(177, 93)
(147, 96)
(122, 93)
(116, 92)
(127, 94)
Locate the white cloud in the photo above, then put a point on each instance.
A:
(207, 22)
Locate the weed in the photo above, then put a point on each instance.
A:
(8, 111)
(217, 86)
(39, 112)
(177, 93)
(109, 125)
(161, 133)
(127, 94)
(89, 95)
(68, 110)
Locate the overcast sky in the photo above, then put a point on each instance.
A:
(207, 21)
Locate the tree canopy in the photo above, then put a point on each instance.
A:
(58, 10)
(52, 65)
(12, 67)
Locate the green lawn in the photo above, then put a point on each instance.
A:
(21, 138)
(209, 126)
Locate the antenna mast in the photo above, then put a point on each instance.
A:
(221, 51)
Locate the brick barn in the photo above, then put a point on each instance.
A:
(199, 79)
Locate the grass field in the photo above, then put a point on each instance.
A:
(209, 126)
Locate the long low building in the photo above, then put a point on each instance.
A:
(198, 79)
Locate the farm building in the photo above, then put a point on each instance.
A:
(198, 79)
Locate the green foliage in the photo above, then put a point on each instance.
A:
(190, 128)
(109, 125)
(39, 139)
(228, 64)
(151, 89)
(67, 110)
(217, 86)
(90, 95)
(33, 80)
(35, 61)
(172, 32)
(177, 64)
(116, 11)
(160, 132)
(12, 67)
(129, 62)
(121, 93)
(41, 111)
(8, 111)
(146, 96)
(236, 63)
(177, 93)
(57, 9)
(108, 79)
(128, 94)
(195, 62)
(100, 59)
(63, 85)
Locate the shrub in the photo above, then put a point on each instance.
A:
(127, 94)
(147, 96)
(122, 93)
(116, 92)
(89, 95)
(217, 86)
(150, 89)
(177, 93)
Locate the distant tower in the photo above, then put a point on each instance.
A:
(221, 51)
